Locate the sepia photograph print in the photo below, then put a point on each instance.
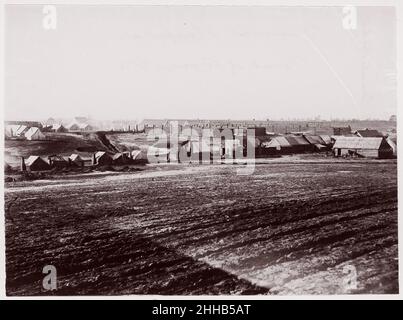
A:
(200, 150)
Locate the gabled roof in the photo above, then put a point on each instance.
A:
(57, 126)
(282, 141)
(75, 157)
(139, 155)
(22, 129)
(314, 139)
(391, 142)
(11, 129)
(58, 158)
(369, 133)
(296, 140)
(118, 155)
(100, 154)
(326, 139)
(393, 139)
(84, 125)
(273, 143)
(358, 143)
(31, 131)
(277, 142)
(32, 159)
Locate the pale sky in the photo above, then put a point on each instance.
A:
(133, 62)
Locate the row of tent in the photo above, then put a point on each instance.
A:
(24, 132)
(289, 144)
(364, 143)
(264, 145)
(374, 147)
(100, 158)
(360, 144)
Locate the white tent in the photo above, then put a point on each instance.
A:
(34, 134)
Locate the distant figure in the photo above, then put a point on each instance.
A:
(23, 166)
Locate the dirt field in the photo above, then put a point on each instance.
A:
(290, 228)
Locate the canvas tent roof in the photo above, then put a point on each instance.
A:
(22, 129)
(58, 158)
(32, 159)
(85, 156)
(100, 154)
(357, 143)
(118, 155)
(139, 155)
(66, 159)
(31, 131)
(57, 126)
(75, 157)
(11, 129)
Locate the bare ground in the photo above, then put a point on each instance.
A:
(290, 228)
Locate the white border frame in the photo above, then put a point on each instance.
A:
(313, 3)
